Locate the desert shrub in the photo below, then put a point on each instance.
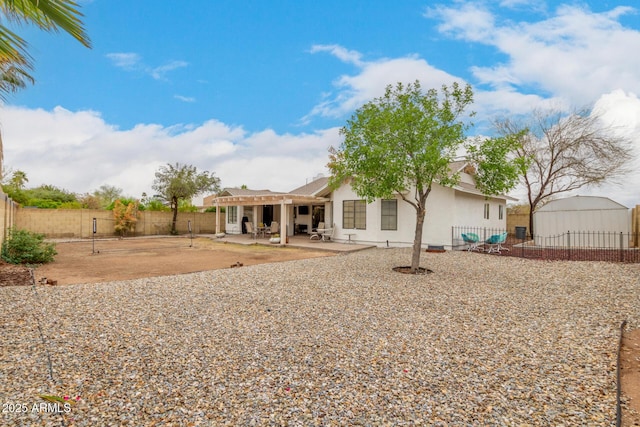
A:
(125, 216)
(26, 247)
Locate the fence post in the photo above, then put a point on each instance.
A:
(452, 241)
(621, 247)
(568, 244)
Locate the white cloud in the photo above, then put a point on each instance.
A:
(79, 151)
(621, 111)
(127, 61)
(159, 73)
(354, 90)
(575, 54)
(185, 98)
(130, 61)
(340, 52)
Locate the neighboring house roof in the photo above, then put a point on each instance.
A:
(581, 203)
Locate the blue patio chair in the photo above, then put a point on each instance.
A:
(473, 241)
(495, 243)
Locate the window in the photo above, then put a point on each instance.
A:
(500, 211)
(232, 215)
(354, 214)
(389, 219)
(486, 211)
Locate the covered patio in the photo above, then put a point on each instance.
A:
(292, 212)
(299, 241)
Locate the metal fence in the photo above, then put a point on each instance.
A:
(572, 245)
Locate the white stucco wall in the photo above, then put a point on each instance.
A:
(446, 208)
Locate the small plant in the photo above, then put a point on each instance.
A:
(26, 247)
(125, 216)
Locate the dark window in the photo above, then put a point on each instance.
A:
(354, 214)
(389, 219)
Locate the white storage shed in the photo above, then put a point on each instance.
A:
(581, 214)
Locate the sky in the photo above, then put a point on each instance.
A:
(257, 91)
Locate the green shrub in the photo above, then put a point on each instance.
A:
(43, 203)
(213, 209)
(156, 205)
(25, 247)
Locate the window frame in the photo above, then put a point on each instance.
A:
(390, 217)
(354, 214)
(232, 214)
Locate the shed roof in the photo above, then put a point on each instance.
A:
(582, 203)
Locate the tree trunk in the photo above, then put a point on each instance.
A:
(417, 241)
(532, 207)
(174, 206)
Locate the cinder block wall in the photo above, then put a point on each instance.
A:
(8, 208)
(517, 220)
(79, 223)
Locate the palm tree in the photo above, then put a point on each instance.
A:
(49, 15)
(18, 179)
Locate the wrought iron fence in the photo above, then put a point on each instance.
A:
(572, 245)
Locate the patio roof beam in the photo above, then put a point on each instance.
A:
(287, 199)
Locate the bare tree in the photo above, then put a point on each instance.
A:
(566, 152)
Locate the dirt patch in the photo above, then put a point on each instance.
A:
(630, 378)
(407, 270)
(14, 275)
(108, 260)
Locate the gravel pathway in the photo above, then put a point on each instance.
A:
(484, 340)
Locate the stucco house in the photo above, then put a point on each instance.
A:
(382, 222)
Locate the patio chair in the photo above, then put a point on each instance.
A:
(328, 233)
(315, 234)
(250, 230)
(473, 242)
(495, 243)
(273, 229)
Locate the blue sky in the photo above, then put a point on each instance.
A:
(256, 91)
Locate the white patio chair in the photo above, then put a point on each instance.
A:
(250, 230)
(316, 233)
(328, 233)
(273, 229)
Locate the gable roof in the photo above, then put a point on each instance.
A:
(246, 192)
(313, 188)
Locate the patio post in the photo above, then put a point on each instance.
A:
(217, 217)
(283, 225)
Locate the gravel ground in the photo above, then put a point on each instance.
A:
(329, 341)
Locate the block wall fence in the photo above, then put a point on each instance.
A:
(517, 220)
(635, 225)
(78, 223)
(7, 218)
